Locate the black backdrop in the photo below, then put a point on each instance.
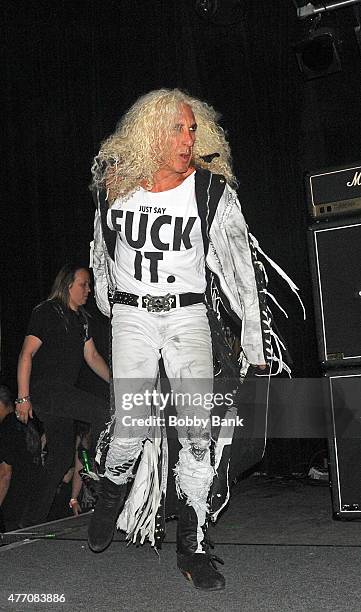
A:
(71, 67)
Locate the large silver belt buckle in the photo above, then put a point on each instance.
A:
(158, 303)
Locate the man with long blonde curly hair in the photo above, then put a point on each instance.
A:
(131, 157)
(170, 242)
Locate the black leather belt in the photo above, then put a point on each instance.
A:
(156, 303)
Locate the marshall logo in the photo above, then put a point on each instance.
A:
(356, 181)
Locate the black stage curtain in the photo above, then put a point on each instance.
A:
(71, 67)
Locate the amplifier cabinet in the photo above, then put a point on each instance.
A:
(344, 442)
(335, 259)
(335, 191)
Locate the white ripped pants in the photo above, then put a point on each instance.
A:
(182, 337)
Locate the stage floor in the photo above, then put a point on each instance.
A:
(282, 552)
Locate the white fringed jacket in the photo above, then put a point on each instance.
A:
(235, 276)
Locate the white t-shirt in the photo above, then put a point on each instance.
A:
(159, 246)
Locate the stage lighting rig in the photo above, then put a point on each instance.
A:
(318, 54)
(309, 9)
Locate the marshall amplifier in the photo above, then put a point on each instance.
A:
(344, 442)
(334, 192)
(335, 256)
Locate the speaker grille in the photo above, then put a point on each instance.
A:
(336, 272)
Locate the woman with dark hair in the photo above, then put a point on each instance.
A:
(58, 340)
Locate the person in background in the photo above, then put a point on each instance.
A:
(58, 340)
(83, 485)
(19, 461)
(71, 497)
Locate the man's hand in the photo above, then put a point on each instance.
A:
(75, 506)
(24, 411)
(259, 366)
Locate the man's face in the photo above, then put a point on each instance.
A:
(79, 289)
(179, 154)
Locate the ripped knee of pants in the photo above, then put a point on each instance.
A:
(194, 474)
(197, 441)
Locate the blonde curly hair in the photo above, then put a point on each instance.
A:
(135, 151)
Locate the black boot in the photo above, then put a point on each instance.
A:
(107, 509)
(199, 568)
